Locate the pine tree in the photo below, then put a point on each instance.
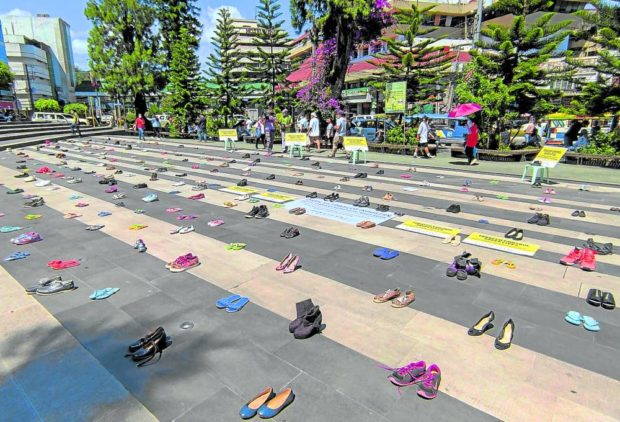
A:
(224, 79)
(420, 63)
(269, 62)
(183, 101)
(174, 15)
(120, 47)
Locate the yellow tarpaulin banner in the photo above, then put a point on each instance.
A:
(225, 134)
(275, 197)
(295, 139)
(550, 156)
(502, 244)
(242, 190)
(428, 229)
(355, 143)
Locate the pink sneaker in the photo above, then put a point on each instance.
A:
(111, 189)
(197, 196)
(430, 383)
(588, 260)
(407, 375)
(178, 260)
(195, 166)
(27, 238)
(573, 257)
(185, 264)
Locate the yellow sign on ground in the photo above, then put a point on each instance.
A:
(428, 229)
(242, 190)
(395, 95)
(225, 134)
(296, 139)
(550, 156)
(502, 244)
(355, 143)
(275, 197)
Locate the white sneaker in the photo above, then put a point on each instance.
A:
(185, 230)
(179, 184)
(176, 230)
(119, 196)
(337, 187)
(242, 198)
(42, 183)
(29, 179)
(76, 180)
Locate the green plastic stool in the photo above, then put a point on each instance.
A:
(544, 173)
(355, 156)
(229, 143)
(298, 148)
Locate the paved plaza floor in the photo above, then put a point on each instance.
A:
(62, 356)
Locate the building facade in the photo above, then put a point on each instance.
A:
(46, 44)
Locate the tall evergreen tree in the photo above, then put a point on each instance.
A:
(420, 63)
(224, 79)
(183, 101)
(120, 47)
(269, 62)
(174, 15)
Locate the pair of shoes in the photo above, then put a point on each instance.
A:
(37, 202)
(309, 320)
(289, 264)
(297, 211)
(140, 246)
(575, 318)
(388, 197)
(242, 182)
(42, 282)
(367, 188)
(271, 177)
(258, 212)
(55, 286)
(366, 224)
(500, 261)
(599, 248)
(267, 404)
(540, 219)
(362, 201)
(103, 293)
(345, 179)
(197, 196)
(235, 246)
(182, 230)
(183, 263)
(464, 266)
(503, 339)
(119, 196)
(360, 176)
(151, 197)
(290, 233)
(332, 197)
(603, 299)
(95, 227)
(232, 304)
(453, 240)
(215, 223)
(515, 234)
(312, 195)
(584, 257)
(299, 183)
(145, 349)
(579, 213)
(394, 295)
(427, 379)
(454, 208)
(140, 186)
(382, 208)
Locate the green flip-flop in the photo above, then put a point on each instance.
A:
(501, 196)
(235, 246)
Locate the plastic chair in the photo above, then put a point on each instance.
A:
(534, 170)
(298, 148)
(229, 143)
(355, 156)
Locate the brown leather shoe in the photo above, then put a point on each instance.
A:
(387, 296)
(405, 300)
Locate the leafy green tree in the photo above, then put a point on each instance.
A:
(516, 54)
(420, 63)
(46, 104)
(6, 77)
(224, 83)
(522, 7)
(121, 45)
(269, 62)
(183, 101)
(80, 108)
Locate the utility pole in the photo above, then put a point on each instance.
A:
(29, 88)
(478, 21)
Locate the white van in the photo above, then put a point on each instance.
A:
(46, 116)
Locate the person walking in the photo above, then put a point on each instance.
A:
(75, 125)
(270, 131)
(571, 134)
(530, 132)
(422, 137)
(156, 127)
(140, 125)
(286, 125)
(472, 141)
(259, 131)
(314, 132)
(340, 130)
(329, 133)
(201, 128)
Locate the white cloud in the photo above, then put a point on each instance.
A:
(209, 19)
(16, 12)
(79, 46)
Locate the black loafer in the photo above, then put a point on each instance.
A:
(608, 301)
(595, 297)
(582, 214)
(271, 177)
(243, 182)
(575, 213)
(380, 172)
(535, 218)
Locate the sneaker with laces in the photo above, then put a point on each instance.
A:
(253, 212)
(573, 257)
(409, 374)
(588, 260)
(430, 382)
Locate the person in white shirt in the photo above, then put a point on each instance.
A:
(340, 130)
(314, 132)
(424, 132)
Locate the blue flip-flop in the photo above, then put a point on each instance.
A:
(17, 255)
(174, 192)
(379, 251)
(104, 293)
(9, 229)
(104, 213)
(389, 254)
(590, 324)
(573, 317)
(483, 221)
(226, 301)
(237, 305)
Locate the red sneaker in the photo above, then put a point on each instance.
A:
(588, 260)
(573, 257)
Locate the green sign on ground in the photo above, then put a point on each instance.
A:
(395, 97)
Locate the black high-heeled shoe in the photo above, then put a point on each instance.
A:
(151, 349)
(482, 325)
(147, 338)
(504, 338)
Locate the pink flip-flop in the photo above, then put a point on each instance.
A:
(195, 166)
(111, 189)
(61, 265)
(405, 176)
(215, 223)
(464, 189)
(173, 210)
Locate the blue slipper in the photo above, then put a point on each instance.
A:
(174, 192)
(104, 293)
(104, 213)
(9, 229)
(17, 255)
(238, 305)
(573, 317)
(483, 221)
(389, 254)
(590, 324)
(379, 251)
(226, 301)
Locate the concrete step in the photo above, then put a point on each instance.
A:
(40, 132)
(34, 140)
(31, 128)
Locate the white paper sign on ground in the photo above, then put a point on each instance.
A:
(278, 198)
(240, 190)
(338, 211)
(429, 229)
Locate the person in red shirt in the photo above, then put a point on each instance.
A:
(472, 141)
(140, 125)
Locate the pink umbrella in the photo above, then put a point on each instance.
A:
(465, 110)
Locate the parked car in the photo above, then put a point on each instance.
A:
(45, 116)
(371, 129)
(447, 130)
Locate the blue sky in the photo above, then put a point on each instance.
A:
(80, 26)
